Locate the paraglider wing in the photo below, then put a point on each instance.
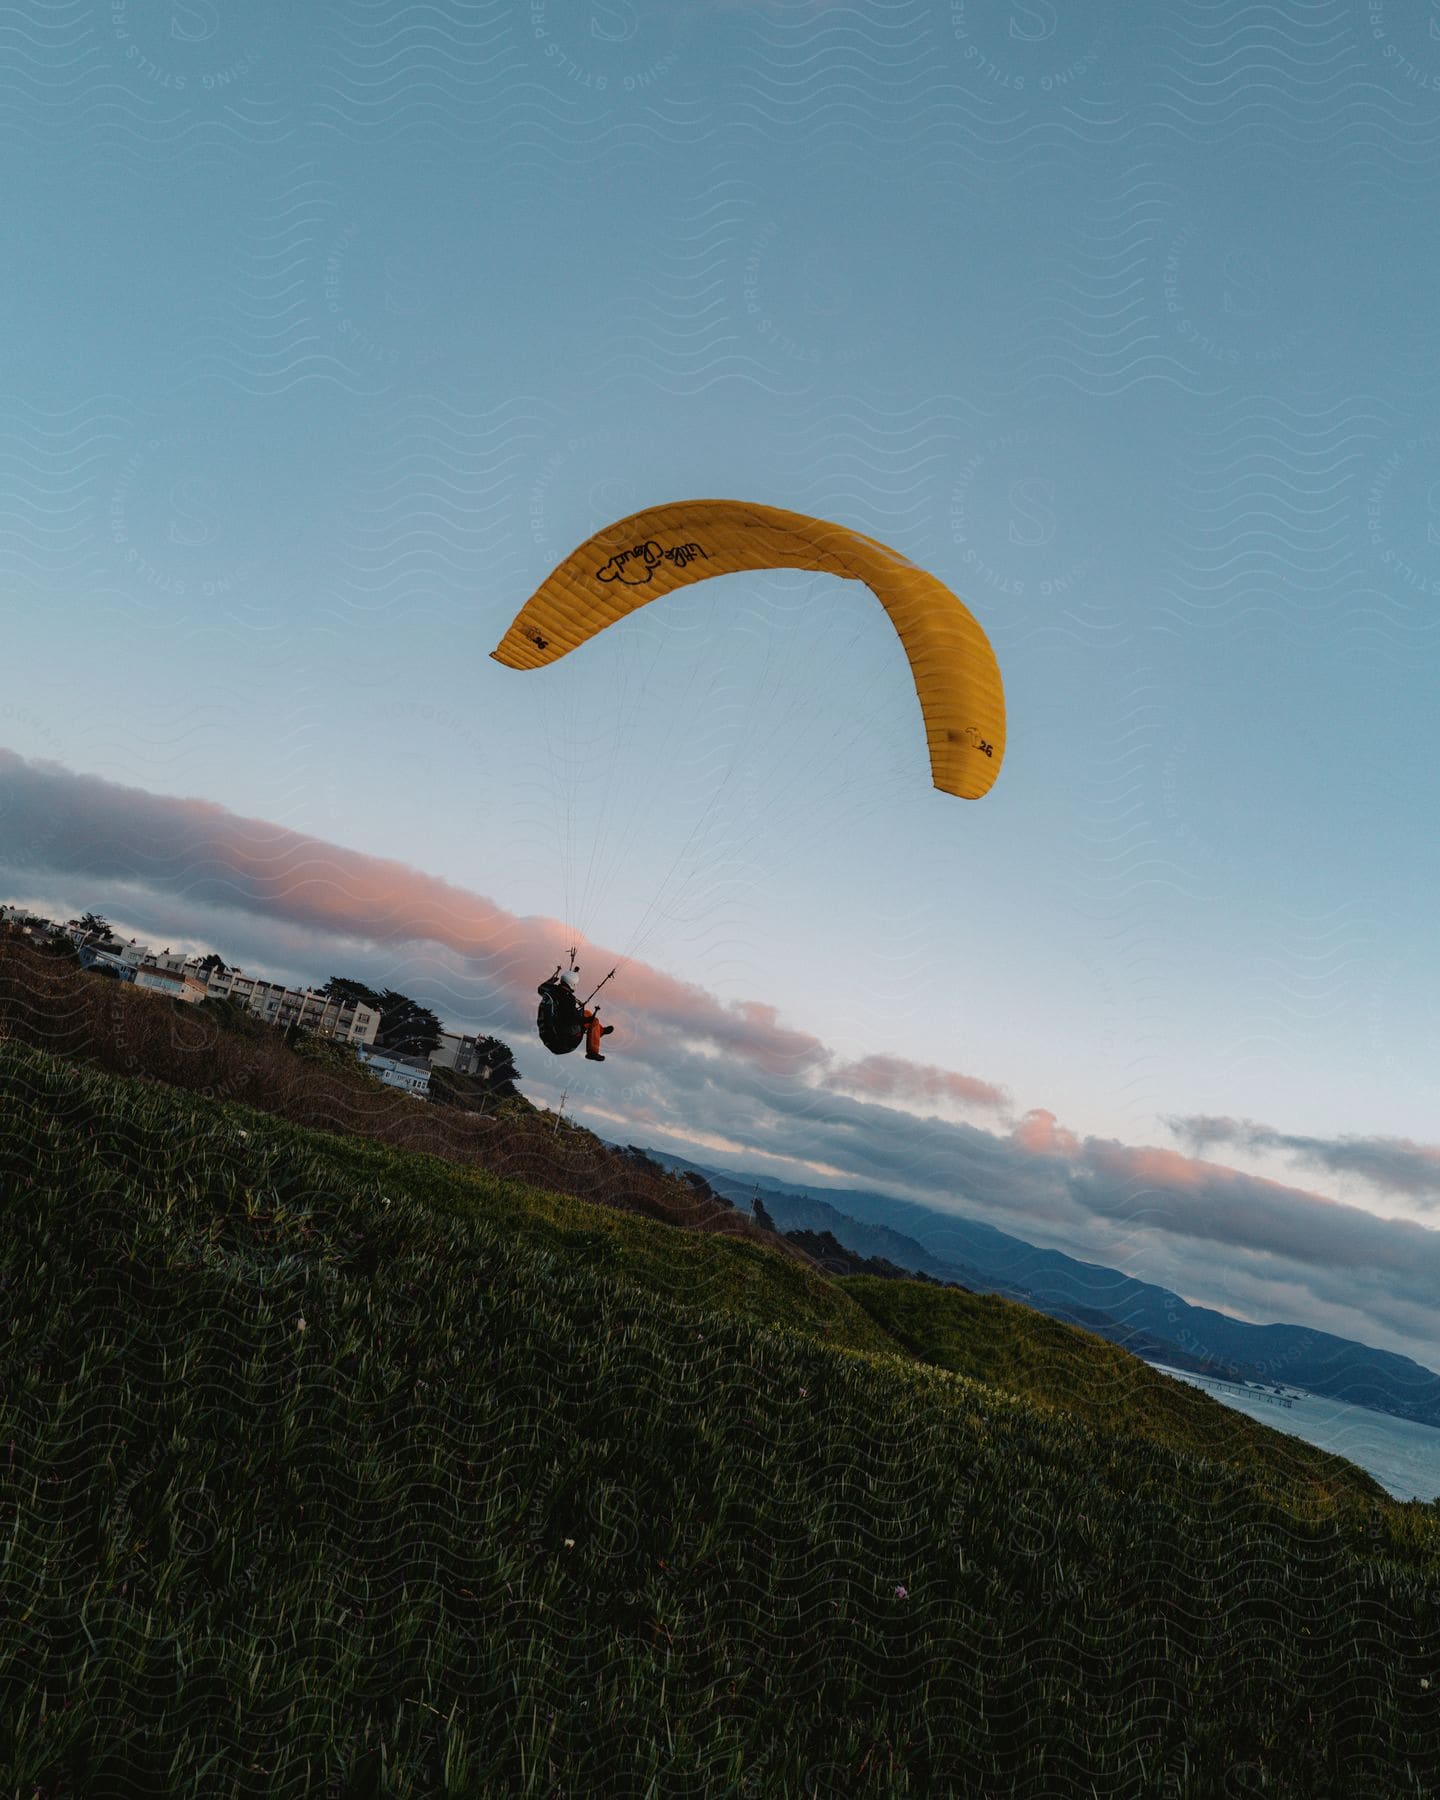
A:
(651, 553)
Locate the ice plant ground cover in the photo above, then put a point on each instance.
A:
(326, 1467)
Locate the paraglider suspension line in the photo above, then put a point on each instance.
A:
(594, 991)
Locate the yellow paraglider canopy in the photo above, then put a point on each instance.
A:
(663, 548)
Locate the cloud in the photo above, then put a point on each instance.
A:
(735, 1074)
(1394, 1165)
(1217, 1235)
(78, 826)
(892, 1077)
(1039, 1133)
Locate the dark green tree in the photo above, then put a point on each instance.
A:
(94, 926)
(406, 1026)
(495, 1065)
(213, 965)
(340, 987)
(490, 1080)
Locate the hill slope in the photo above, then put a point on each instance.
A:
(1056, 1364)
(222, 1053)
(334, 1465)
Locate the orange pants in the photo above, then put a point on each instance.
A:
(593, 1031)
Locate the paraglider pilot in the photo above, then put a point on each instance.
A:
(565, 1020)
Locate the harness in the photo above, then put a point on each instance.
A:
(559, 1020)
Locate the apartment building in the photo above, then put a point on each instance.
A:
(455, 1051)
(347, 1021)
(181, 976)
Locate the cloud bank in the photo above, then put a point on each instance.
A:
(1394, 1165)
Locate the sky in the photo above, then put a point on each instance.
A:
(336, 328)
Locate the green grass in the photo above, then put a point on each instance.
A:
(330, 1469)
(713, 1272)
(1064, 1367)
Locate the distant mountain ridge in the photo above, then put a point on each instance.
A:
(1142, 1317)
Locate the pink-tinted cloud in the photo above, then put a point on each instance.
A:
(1209, 1202)
(893, 1078)
(82, 826)
(1040, 1133)
(1153, 1167)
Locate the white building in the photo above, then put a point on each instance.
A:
(127, 957)
(122, 950)
(29, 924)
(412, 1073)
(179, 984)
(170, 959)
(93, 957)
(114, 952)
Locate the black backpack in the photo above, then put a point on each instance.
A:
(559, 1020)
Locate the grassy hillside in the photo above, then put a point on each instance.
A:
(993, 1340)
(222, 1053)
(335, 1470)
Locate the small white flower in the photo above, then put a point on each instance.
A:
(570, 1545)
(300, 1323)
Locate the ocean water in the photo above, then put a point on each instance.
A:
(1402, 1456)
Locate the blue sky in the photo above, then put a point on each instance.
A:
(335, 330)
